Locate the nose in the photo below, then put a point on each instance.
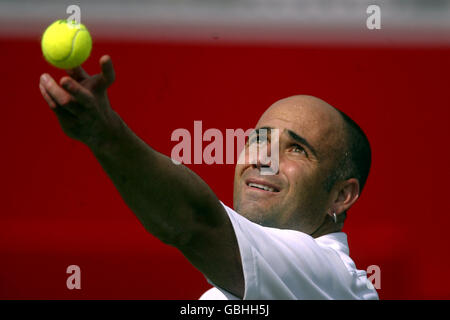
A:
(265, 158)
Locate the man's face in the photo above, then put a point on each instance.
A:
(310, 137)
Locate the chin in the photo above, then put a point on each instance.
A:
(255, 212)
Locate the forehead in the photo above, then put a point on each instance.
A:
(309, 117)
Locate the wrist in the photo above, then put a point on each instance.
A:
(108, 138)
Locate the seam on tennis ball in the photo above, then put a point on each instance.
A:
(73, 42)
(71, 48)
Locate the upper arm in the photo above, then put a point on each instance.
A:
(213, 249)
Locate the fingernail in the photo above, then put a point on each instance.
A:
(44, 78)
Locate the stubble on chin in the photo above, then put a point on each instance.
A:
(256, 213)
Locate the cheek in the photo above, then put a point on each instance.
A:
(295, 173)
(238, 171)
(244, 161)
(237, 187)
(247, 156)
(302, 182)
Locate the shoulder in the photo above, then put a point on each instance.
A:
(265, 238)
(289, 264)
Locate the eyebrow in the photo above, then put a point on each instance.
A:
(296, 137)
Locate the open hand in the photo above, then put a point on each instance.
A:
(81, 104)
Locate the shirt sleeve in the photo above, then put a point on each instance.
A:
(286, 264)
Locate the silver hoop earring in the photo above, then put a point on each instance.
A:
(334, 217)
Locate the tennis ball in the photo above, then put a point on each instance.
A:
(66, 44)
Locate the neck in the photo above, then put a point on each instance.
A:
(327, 226)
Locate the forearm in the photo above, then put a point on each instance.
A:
(170, 200)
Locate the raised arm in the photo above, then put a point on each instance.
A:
(171, 201)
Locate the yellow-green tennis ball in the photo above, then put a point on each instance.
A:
(66, 44)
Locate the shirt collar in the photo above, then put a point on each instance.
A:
(335, 240)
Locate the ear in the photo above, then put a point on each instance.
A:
(347, 194)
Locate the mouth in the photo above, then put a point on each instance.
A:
(262, 186)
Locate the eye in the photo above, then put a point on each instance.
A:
(252, 139)
(258, 139)
(298, 149)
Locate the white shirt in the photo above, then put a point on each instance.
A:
(287, 264)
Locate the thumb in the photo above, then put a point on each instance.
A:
(108, 74)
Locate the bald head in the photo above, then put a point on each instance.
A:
(344, 141)
(318, 122)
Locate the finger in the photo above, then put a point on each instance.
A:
(51, 103)
(58, 94)
(108, 73)
(78, 73)
(80, 93)
(54, 105)
(61, 112)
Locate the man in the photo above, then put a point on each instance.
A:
(286, 242)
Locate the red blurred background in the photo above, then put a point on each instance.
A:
(59, 208)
